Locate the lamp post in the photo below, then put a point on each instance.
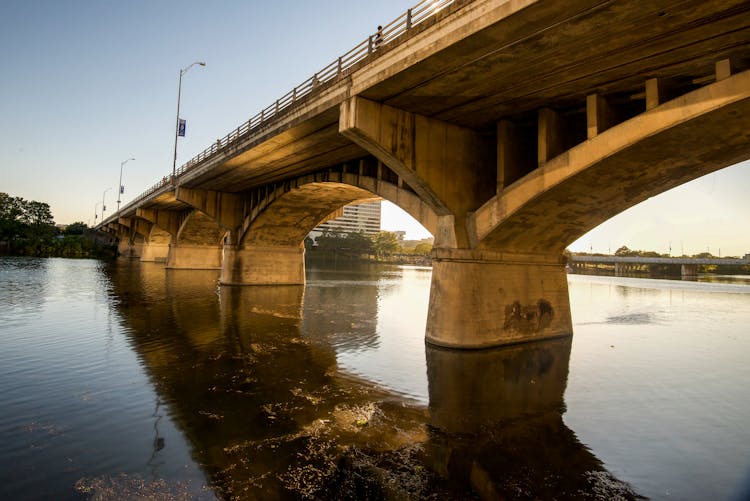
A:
(104, 207)
(95, 213)
(177, 121)
(120, 187)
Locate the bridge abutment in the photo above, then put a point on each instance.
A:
(263, 265)
(480, 299)
(194, 257)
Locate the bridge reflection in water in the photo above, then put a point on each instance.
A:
(250, 376)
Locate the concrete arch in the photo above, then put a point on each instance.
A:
(156, 245)
(286, 215)
(197, 244)
(576, 191)
(271, 250)
(199, 229)
(160, 236)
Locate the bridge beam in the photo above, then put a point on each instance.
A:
(167, 220)
(451, 168)
(227, 209)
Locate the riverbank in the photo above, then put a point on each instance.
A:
(73, 246)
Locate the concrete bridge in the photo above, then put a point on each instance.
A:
(624, 264)
(507, 128)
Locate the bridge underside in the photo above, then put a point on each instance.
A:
(508, 129)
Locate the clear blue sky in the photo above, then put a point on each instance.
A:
(87, 84)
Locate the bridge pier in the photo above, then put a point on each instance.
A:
(263, 265)
(154, 252)
(620, 269)
(127, 249)
(194, 257)
(689, 271)
(480, 299)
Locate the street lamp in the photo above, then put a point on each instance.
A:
(177, 121)
(121, 188)
(104, 207)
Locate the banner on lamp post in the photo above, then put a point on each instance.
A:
(181, 128)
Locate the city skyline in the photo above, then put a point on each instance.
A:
(87, 86)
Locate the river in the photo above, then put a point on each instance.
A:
(120, 379)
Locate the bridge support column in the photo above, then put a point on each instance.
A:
(263, 265)
(127, 249)
(480, 299)
(620, 269)
(689, 271)
(153, 252)
(194, 257)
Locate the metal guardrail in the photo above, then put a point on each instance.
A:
(339, 68)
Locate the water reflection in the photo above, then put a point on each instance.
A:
(498, 430)
(22, 299)
(250, 375)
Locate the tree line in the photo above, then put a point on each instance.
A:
(383, 245)
(27, 227)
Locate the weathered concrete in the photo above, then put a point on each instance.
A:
(197, 245)
(482, 299)
(451, 168)
(194, 257)
(154, 252)
(260, 265)
(126, 248)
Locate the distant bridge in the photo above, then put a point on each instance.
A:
(624, 264)
(508, 129)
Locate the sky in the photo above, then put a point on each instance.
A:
(85, 85)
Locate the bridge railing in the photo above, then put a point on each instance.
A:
(576, 258)
(338, 68)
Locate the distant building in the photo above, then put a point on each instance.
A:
(363, 217)
(746, 256)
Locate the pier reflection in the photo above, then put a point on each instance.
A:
(497, 427)
(249, 374)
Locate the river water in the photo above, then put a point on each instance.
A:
(121, 379)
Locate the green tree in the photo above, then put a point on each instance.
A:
(624, 251)
(38, 217)
(77, 228)
(329, 241)
(385, 243)
(424, 249)
(11, 214)
(358, 243)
